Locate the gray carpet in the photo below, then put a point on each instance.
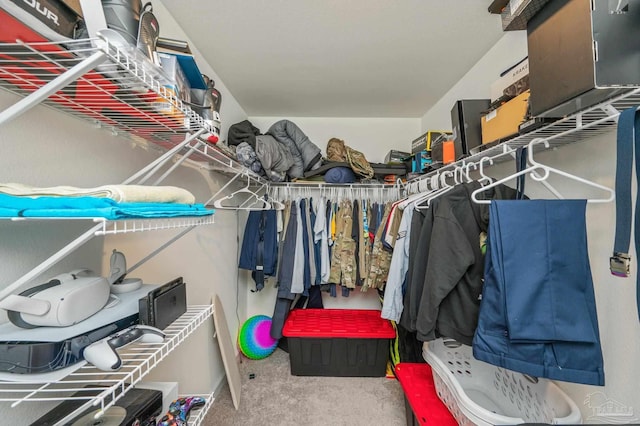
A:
(276, 398)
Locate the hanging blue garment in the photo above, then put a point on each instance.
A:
(259, 251)
(538, 311)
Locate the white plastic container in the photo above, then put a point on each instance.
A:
(478, 393)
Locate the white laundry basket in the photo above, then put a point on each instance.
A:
(478, 393)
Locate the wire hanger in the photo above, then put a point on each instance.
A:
(263, 204)
(534, 167)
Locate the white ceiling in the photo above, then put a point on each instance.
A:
(338, 58)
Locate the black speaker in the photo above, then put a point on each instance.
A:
(582, 52)
(466, 126)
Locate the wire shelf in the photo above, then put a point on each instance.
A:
(197, 417)
(98, 389)
(125, 93)
(125, 226)
(587, 123)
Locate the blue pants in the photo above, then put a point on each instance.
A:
(538, 311)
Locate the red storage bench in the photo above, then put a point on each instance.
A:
(422, 405)
(338, 342)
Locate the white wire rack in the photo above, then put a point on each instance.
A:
(98, 389)
(197, 416)
(125, 93)
(113, 87)
(596, 120)
(124, 226)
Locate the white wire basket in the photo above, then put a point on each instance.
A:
(478, 393)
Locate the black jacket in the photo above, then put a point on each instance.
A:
(450, 299)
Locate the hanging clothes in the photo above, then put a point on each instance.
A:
(259, 252)
(419, 245)
(380, 257)
(363, 239)
(524, 323)
(343, 267)
(286, 273)
(453, 280)
(321, 237)
(392, 305)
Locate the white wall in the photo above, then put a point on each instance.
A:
(476, 83)
(44, 147)
(372, 136)
(594, 159)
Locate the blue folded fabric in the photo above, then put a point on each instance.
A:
(340, 175)
(14, 206)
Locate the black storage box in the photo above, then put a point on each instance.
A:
(579, 57)
(164, 305)
(338, 342)
(465, 122)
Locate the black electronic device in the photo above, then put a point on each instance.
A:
(164, 305)
(582, 52)
(46, 349)
(465, 121)
(34, 357)
(139, 407)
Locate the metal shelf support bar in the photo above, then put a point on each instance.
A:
(156, 164)
(177, 163)
(52, 87)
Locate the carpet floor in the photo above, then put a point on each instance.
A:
(276, 398)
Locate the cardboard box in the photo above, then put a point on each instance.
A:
(423, 143)
(517, 13)
(504, 121)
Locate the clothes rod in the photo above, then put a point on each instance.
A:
(320, 185)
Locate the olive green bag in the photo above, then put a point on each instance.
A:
(339, 152)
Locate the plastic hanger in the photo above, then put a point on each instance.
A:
(444, 187)
(263, 204)
(484, 179)
(545, 170)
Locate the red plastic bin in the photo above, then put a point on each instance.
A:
(423, 407)
(338, 342)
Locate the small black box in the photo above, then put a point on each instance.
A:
(141, 407)
(579, 56)
(466, 127)
(164, 305)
